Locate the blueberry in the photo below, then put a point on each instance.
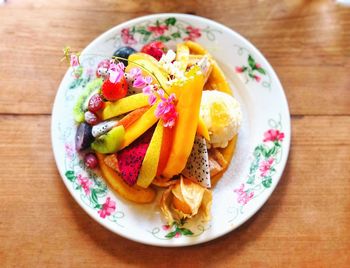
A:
(124, 52)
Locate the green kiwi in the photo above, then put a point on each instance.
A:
(81, 104)
(109, 142)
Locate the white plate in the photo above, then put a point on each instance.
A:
(260, 155)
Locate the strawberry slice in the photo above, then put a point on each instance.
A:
(114, 91)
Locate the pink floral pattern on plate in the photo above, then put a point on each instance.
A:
(177, 229)
(252, 71)
(165, 30)
(262, 167)
(92, 189)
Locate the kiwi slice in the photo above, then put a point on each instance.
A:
(109, 142)
(81, 104)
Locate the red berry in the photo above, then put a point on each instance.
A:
(95, 103)
(114, 91)
(155, 49)
(90, 160)
(91, 118)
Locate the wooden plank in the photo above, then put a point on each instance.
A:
(305, 223)
(312, 57)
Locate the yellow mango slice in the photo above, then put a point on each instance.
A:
(182, 56)
(149, 165)
(217, 79)
(186, 123)
(196, 48)
(124, 105)
(132, 193)
(167, 141)
(202, 129)
(140, 126)
(149, 67)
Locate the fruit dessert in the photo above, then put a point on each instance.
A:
(159, 120)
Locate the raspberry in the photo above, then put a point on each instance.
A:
(156, 49)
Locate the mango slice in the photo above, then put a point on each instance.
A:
(187, 122)
(217, 79)
(202, 129)
(149, 67)
(182, 55)
(140, 126)
(149, 165)
(124, 105)
(132, 193)
(131, 117)
(168, 134)
(196, 48)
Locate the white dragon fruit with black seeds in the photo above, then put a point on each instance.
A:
(197, 166)
(103, 128)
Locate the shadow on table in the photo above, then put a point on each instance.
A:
(225, 247)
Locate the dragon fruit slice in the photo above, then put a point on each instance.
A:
(197, 166)
(103, 128)
(130, 158)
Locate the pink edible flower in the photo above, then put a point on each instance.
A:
(127, 37)
(273, 135)
(135, 73)
(158, 30)
(107, 208)
(166, 110)
(193, 33)
(116, 71)
(152, 99)
(243, 197)
(74, 60)
(147, 88)
(141, 81)
(85, 183)
(150, 91)
(265, 166)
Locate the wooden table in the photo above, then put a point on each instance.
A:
(305, 223)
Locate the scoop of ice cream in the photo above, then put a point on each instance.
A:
(222, 116)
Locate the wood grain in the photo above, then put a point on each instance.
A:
(41, 225)
(307, 43)
(305, 223)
